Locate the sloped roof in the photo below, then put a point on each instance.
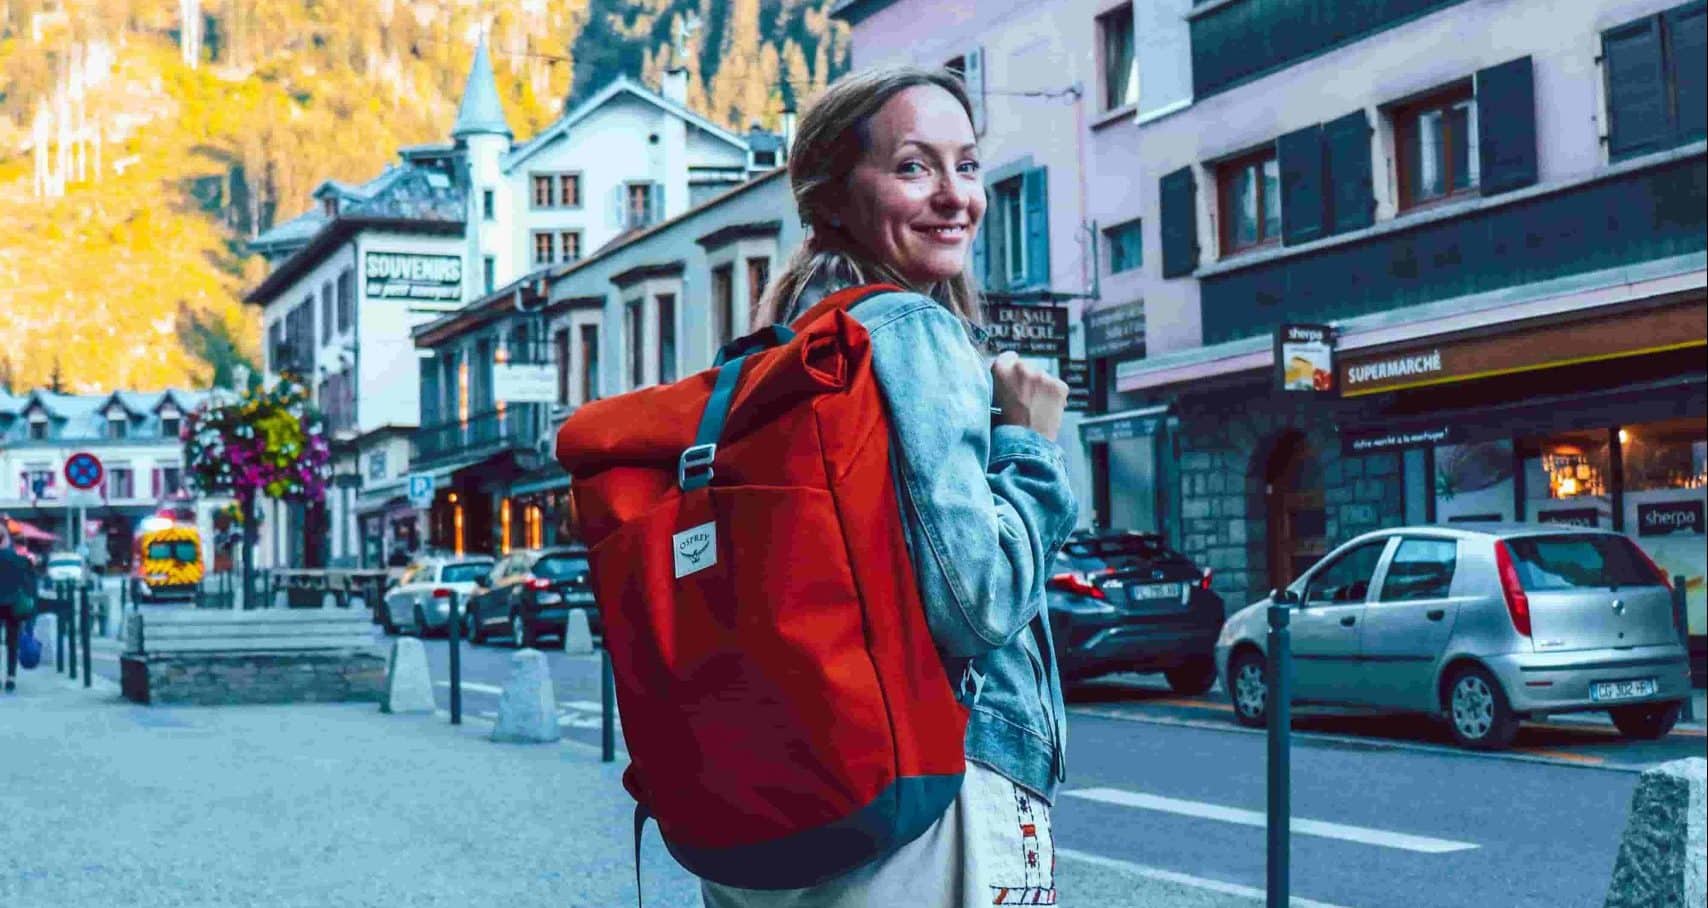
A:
(622, 85)
(83, 416)
(480, 112)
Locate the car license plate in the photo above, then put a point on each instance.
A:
(1601, 691)
(1154, 591)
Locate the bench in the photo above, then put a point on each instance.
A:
(195, 656)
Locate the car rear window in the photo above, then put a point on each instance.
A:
(172, 551)
(1548, 563)
(65, 562)
(464, 572)
(1124, 549)
(560, 567)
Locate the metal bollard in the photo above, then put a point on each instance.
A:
(1681, 622)
(83, 622)
(607, 708)
(58, 632)
(454, 636)
(1279, 704)
(68, 604)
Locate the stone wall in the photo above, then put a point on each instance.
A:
(1225, 442)
(233, 678)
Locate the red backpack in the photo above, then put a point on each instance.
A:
(787, 715)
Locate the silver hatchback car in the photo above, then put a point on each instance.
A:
(1481, 624)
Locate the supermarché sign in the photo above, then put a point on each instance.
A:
(412, 276)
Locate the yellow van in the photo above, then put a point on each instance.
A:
(167, 563)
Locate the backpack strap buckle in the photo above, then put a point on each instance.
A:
(694, 468)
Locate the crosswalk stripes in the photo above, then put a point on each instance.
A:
(1180, 879)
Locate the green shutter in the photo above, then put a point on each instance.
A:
(1177, 197)
(981, 252)
(1351, 195)
(974, 79)
(1303, 202)
(1688, 65)
(1506, 126)
(430, 392)
(1636, 88)
(1035, 199)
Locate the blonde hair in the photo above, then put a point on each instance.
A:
(829, 142)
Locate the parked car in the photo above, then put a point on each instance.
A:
(428, 592)
(1122, 601)
(1483, 625)
(530, 594)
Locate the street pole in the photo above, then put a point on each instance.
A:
(1681, 621)
(68, 604)
(58, 630)
(83, 622)
(607, 708)
(1280, 726)
(454, 633)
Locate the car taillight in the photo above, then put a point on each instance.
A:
(535, 583)
(1666, 580)
(1204, 584)
(442, 593)
(1517, 603)
(1074, 582)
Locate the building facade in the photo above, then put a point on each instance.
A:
(135, 436)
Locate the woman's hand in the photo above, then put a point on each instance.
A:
(1028, 397)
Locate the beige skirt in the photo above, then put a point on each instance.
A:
(993, 846)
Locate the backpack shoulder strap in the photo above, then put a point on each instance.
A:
(641, 816)
(846, 298)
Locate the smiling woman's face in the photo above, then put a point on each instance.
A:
(916, 197)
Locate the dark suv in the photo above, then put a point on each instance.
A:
(1122, 601)
(530, 593)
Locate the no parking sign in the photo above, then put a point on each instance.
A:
(83, 470)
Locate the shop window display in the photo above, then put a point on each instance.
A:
(1567, 479)
(1473, 482)
(1665, 496)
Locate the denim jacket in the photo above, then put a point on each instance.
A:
(985, 508)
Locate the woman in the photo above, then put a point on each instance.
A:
(886, 177)
(17, 600)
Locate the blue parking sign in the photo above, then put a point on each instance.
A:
(421, 490)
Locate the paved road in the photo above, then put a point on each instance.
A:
(1385, 812)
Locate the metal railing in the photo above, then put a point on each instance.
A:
(516, 427)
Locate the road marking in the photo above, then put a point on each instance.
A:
(1169, 876)
(1190, 703)
(1320, 828)
(474, 686)
(1586, 759)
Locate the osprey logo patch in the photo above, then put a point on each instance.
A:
(695, 549)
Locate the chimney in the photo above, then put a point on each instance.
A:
(674, 86)
(788, 126)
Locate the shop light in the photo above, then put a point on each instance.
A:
(1624, 437)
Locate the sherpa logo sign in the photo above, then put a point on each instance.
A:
(695, 549)
(1664, 518)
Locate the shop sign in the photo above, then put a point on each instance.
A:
(1663, 518)
(1077, 374)
(520, 384)
(1028, 330)
(1672, 327)
(421, 491)
(1373, 442)
(1115, 331)
(1115, 429)
(1304, 358)
(1572, 517)
(411, 276)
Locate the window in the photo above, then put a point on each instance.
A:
(1420, 569)
(489, 272)
(118, 425)
(169, 425)
(1567, 478)
(765, 159)
(543, 191)
(569, 190)
(329, 206)
(1435, 147)
(1011, 215)
(1120, 66)
(1473, 482)
(544, 247)
(643, 204)
(570, 241)
(1250, 202)
(560, 359)
(346, 299)
(634, 335)
(723, 304)
(38, 427)
(1666, 501)
(377, 469)
(758, 275)
(38, 476)
(1126, 250)
(488, 205)
(1654, 69)
(1347, 578)
(589, 363)
(1589, 561)
(171, 481)
(121, 482)
(666, 304)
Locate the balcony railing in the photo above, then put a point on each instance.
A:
(514, 428)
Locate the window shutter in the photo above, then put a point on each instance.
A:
(1035, 189)
(430, 392)
(1177, 193)
(974, 78)
(981, 253)
(1636, 88)
(1303, 203)
(1506, 126)
(154, 483)
(1685, 29)
(1351, 196)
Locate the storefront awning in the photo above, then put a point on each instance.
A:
(1125, 424)
(540, 485)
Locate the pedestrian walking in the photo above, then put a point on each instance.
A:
(17, 602)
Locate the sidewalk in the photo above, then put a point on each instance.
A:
(110, 803)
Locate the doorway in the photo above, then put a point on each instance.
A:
(1297, 521)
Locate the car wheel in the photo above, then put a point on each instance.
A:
(1196, 677)
(520, 633)
(420, 623)
(471, 627)
(1248, 688)
(1646, 721)
(383, 615)
(1477, 711)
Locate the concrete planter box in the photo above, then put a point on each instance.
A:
(269, 656)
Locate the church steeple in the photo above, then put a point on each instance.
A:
(480, 113)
